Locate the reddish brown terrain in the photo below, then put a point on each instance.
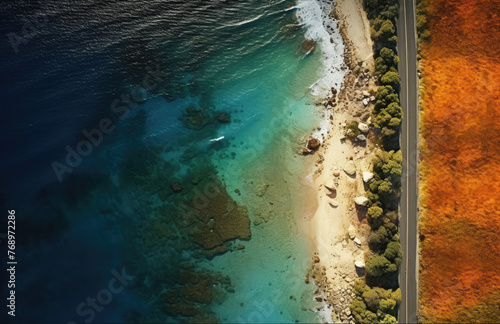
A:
(460, 174)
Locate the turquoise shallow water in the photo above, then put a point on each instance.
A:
(117, 208)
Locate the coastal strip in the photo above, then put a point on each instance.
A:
(358, 175)
(339, 227)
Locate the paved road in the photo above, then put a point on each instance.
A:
(407, 51)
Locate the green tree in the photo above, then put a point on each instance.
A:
(389, 57)
(372, 299)
(360, 287)
(379, 237)
(391, 78)
(396, 295)
(384, 32)
(375, 212)
(389, 319)
(378, 265)
(387, 305)
(394, 252)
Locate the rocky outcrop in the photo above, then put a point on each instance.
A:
(313, 144)
(222, 220)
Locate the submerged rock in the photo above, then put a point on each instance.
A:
(262, 189)
(222, 220)
(199, 293)
(194, 118)
(308, 45)
(223, 118)
(176, 187)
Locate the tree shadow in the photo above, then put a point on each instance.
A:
(361, 212)
(361, 272)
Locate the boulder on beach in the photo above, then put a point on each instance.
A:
(366, 94)
(359, 264)
(361, 137)
(361, 201)
(351, 231)
(334, 203)
(313, 144)
(367, 176)
(366, 101)
(357, 241)
(363, 127)
(350, 168)
(330, 185)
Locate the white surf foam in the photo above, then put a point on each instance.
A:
(324, 29)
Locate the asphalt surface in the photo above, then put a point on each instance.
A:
(407, 51)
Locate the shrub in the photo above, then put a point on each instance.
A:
(352, 130)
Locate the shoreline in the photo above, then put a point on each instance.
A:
(333, 230)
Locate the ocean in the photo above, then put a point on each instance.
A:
(149, 150)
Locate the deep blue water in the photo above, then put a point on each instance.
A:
(70, 67)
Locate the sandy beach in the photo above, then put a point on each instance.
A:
(339, 228)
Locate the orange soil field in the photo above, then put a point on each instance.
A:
(460, 171)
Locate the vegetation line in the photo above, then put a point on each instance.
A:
(378, 296)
